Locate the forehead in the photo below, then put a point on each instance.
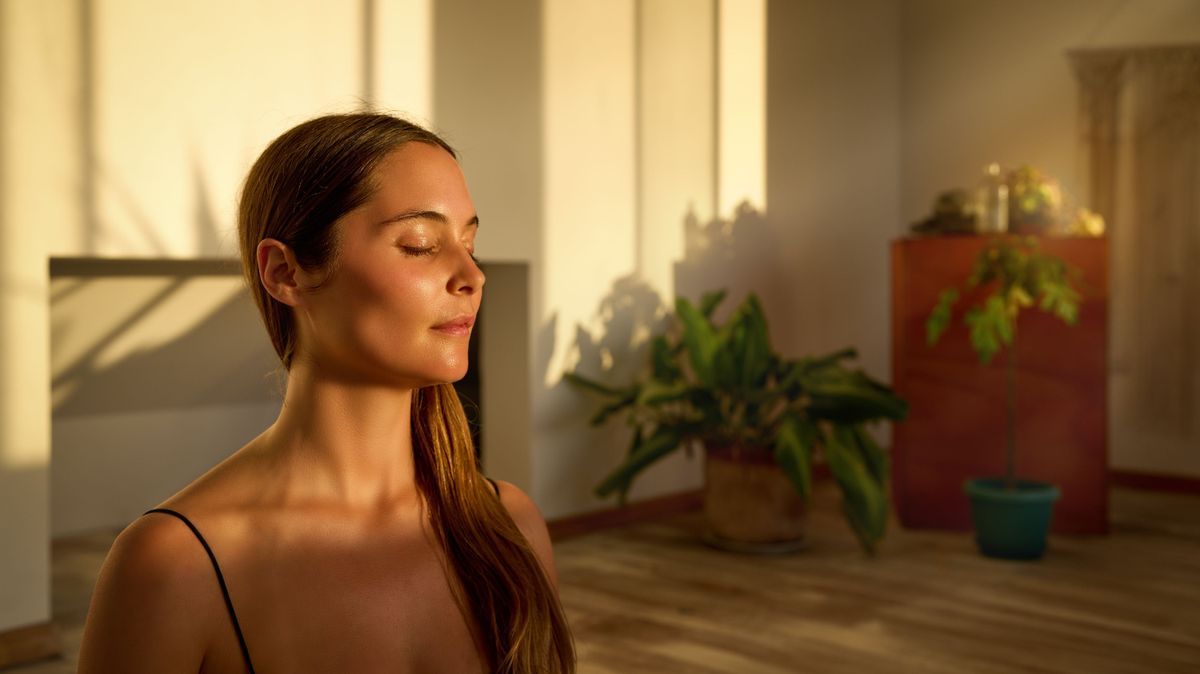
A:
(420, 176)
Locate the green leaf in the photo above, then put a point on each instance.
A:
(709, 302)
(724, 370)
(795, 372)
(876, 459)
(700, 339)
(831, 359)
(627, 400)
(662, 361)
(664, 441)
(863, 497)
(730, 342)
(1061, 300)
(1018, 298)
(998, 315)
(843, 396)
(984, 328)
(793, 452)
(655, 392)
(706, 408)
(634, 442)
(939, 318)
(756, 357)
(1021, 274)
(591, 384)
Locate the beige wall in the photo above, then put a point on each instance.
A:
(833, 157)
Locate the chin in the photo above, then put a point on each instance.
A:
(447, 375)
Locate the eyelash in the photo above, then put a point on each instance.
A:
(420, 252)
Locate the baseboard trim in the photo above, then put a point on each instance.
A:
(1134, 479)
(660, 506)
(30, 643)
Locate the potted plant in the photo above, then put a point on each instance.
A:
(1011, 515)
(760, 419)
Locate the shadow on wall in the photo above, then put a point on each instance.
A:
(223, 359)
(739, 255)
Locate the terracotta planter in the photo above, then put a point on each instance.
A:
(750, 504)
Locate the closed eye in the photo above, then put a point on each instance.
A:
(420, 252)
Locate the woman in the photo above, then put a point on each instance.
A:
(355, 534)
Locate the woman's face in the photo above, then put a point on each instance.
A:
(400, 305)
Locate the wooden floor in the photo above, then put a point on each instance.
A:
(651, 598)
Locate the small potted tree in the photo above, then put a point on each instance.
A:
(759, 419)
(1011, 515)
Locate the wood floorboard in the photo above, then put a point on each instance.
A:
(649, 597)
(1128, 602)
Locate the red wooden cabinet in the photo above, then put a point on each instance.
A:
(955, 428)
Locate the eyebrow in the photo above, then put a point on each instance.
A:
(429, 215)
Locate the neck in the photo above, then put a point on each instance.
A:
(342, 443)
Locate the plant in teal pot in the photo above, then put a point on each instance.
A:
(1011, 515)
(760, 419)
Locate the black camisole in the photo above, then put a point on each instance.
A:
(221, 578)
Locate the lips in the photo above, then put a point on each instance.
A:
(463, 322)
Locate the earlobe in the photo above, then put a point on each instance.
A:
(278, 271)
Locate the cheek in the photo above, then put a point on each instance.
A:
(382, 319)
(392, 304)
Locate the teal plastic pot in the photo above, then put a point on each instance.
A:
(1011, 522)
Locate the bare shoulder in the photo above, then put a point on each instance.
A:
(522, 508)
(153, 604)
(531, 523)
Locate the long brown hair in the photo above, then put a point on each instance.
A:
(300, 186)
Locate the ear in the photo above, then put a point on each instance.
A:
(281, 275)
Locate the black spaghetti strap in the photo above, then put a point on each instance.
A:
(220, 580)
(495, 486)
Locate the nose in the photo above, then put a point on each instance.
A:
(468, 277)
